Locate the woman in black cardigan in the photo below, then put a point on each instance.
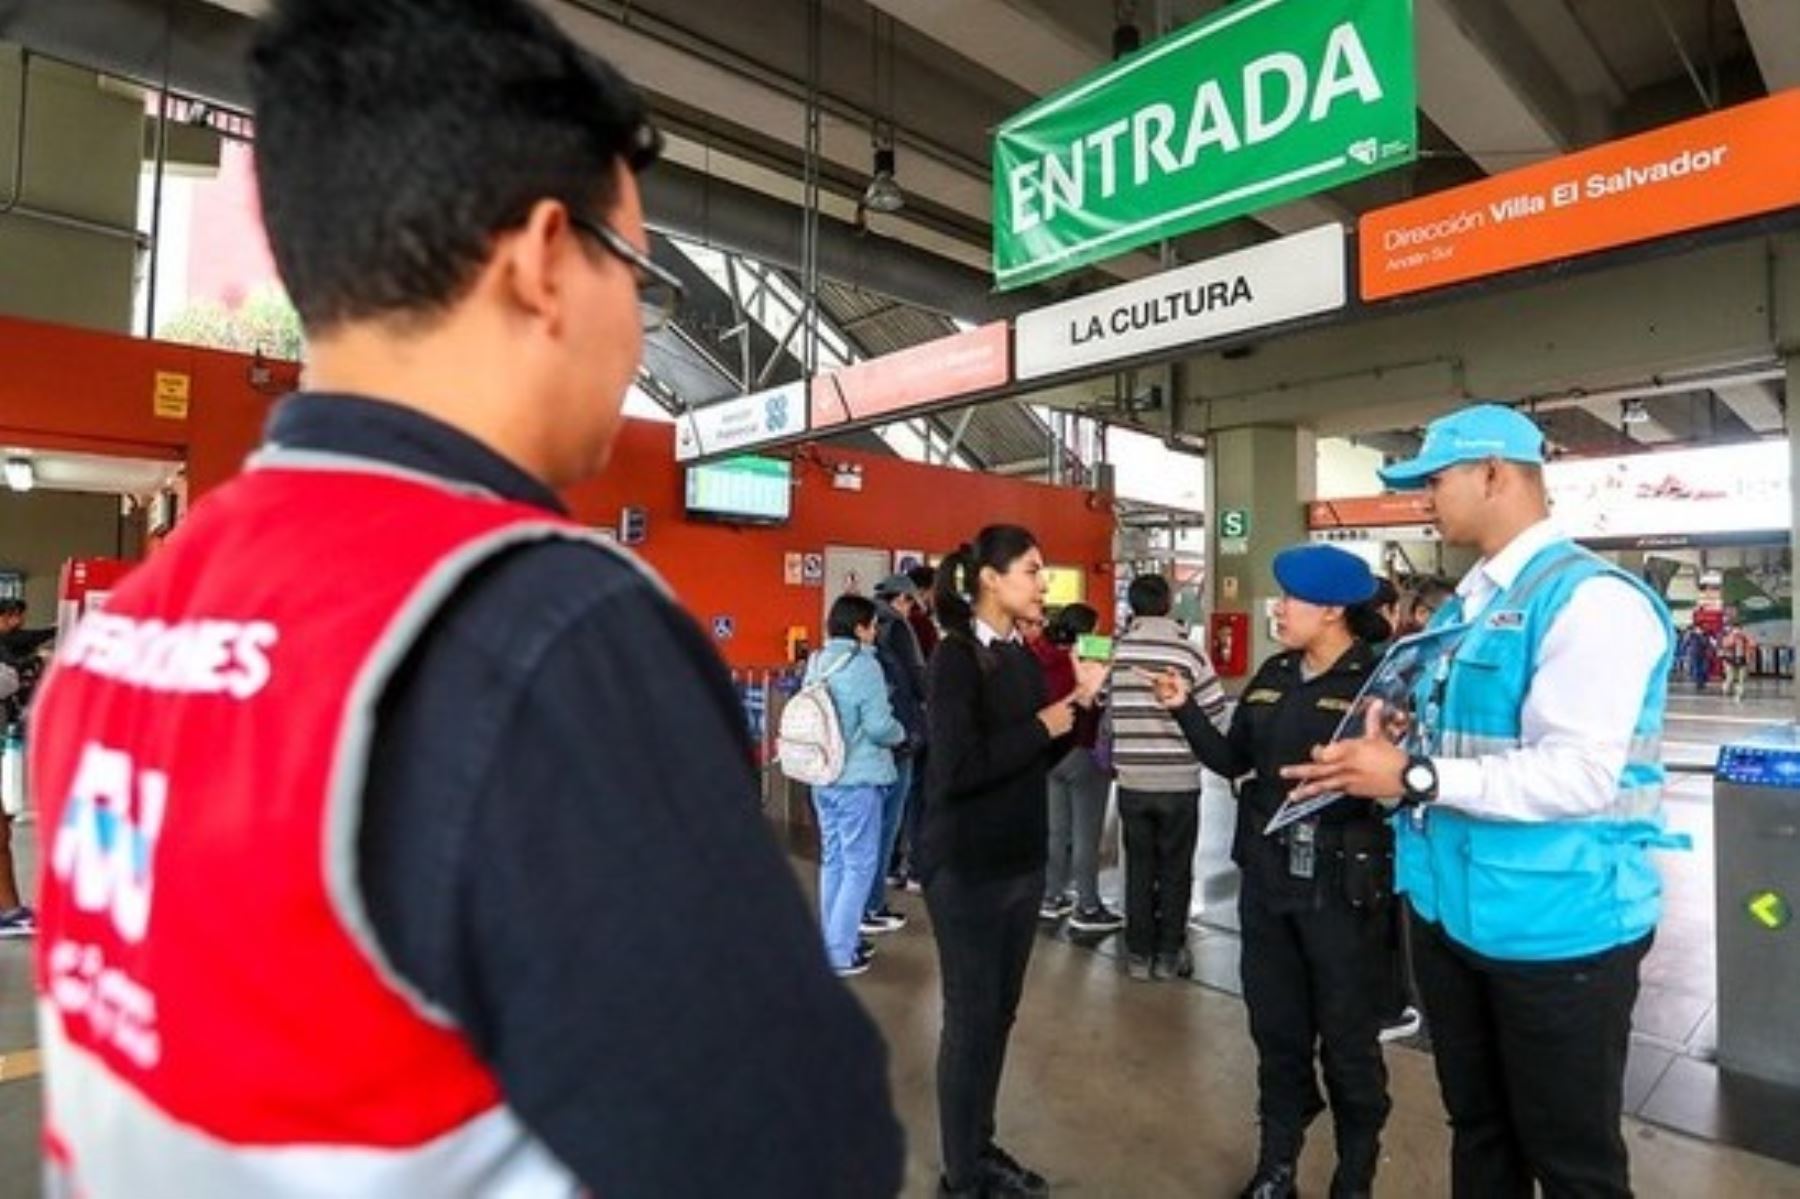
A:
(993, 739)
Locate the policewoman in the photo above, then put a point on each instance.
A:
(1531, 797)
(1313, 903)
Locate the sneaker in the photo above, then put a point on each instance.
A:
(877, 924)
(865, 947)
(914, 884)
(1097, 919)
(1003, 1175)
(859, 964)
(1139, 968)
(1179, 964)
(18, 922)
(1055, 907)
(1406, 1024)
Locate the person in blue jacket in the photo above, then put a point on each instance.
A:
(1530, 796)
(849, 809)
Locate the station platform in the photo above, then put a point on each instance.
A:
(1116, 1088)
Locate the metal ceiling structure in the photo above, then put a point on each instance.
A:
(1502, 83)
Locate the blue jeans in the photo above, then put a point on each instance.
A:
(893, 811)
(849, 844)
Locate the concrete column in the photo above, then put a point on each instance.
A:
(68, 252)
(1269, 473)
(1793, 431)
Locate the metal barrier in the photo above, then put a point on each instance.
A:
(763, 694)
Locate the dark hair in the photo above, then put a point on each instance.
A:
(394, 138)
(923, 577)
(1150, 595)
(959, 574)
(1366, 623)
(12, 607)
(1385, 593)
(1069, 624)
(848, 614)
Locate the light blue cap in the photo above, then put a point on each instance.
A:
(1469, 435)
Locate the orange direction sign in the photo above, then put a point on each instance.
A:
(918, 377)
(1732, 164)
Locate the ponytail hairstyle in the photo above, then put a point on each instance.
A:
(959, 574)
(1366, 622)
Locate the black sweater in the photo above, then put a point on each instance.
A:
(1279, 718)
(986, 776)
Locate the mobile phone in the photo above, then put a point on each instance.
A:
(1094, 647)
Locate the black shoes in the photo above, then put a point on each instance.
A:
(1272, 1182)
(1003, 1177)
(1179, 964)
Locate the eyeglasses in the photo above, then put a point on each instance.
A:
(660, 292)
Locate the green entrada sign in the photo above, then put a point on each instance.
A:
(1263, 102)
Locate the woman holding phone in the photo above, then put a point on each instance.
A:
(994, 732)
(1314, 898)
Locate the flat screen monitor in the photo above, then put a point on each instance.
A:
(748, 489)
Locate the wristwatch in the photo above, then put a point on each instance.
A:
(1419, 781)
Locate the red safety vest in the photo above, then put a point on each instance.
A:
(217, 1018)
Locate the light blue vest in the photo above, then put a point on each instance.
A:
(1547, 890)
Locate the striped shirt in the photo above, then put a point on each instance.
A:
(1150, 752)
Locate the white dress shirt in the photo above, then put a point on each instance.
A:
(1581, 704)
(985, 633)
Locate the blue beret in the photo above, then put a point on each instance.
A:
(1324, 575)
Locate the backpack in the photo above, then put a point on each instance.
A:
(810, 742)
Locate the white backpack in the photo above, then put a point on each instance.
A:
(810, 745)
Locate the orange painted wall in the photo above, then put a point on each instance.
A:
(71, 389)
(736, 571)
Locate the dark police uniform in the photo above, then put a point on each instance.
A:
(1315, 927)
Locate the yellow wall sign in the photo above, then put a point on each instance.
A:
(1067, 585)
(1770, 910)
(170, 398)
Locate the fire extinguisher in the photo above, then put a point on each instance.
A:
(12, 770)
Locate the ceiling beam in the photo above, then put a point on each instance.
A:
(1483, 83)
(1756, 404)
(1773, 27)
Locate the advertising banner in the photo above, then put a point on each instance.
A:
(895, 384)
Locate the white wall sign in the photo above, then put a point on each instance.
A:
(1264, 285)
(1721, 489)
(734, 425)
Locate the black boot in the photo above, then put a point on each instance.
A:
(1003, 1175)
(1273, 1180)
(1358, 1155)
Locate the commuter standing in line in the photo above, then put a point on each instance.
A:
(924, 627)
(446, 874)
(21, 666)
(1159, 780)
(1317, 953)
(1527, 818)
(1079, 788)
(994, 735)
(897, 649)
(850, 808)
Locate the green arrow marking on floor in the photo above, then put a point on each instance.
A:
(1769, 910)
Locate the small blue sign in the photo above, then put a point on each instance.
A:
(724, 628)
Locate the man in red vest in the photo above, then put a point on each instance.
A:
(403, 836)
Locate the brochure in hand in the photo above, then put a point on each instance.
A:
(1395, 683)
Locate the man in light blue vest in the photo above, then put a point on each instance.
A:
(1526, 817)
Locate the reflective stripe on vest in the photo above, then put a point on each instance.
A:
(217, 1015)
(1542, 890)
(127, 1146)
